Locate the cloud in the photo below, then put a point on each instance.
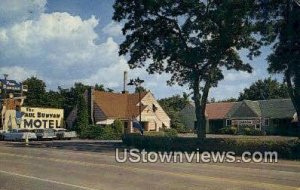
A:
(237, 75)
(12, 11)
(62, 49)
(17, 73)
(113, 29)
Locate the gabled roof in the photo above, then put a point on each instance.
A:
(213, 110)
(218, 110)
(277, 108)
(117, 105)
(245, 108)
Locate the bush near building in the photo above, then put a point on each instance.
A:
(244, 131)
(108, 132)
(287, 149)
(228, 130)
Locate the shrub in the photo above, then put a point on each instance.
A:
(171, 132)
(154, 133)
(252, 132)
(229, 130)
(108, 132)
(181, 128)
(166, 133)
(91, 132)
(289, 149)
(118, 127)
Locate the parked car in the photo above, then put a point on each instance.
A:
(62, 133)
(45, 134)
(19, 135)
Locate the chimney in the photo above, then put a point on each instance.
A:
(125, 83)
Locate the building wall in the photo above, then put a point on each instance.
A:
(98, 114)
(187, 116)
(159, 116)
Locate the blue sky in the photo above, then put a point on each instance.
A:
(69, 41)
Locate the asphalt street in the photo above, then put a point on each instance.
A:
(91, 165)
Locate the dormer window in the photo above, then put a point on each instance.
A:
(154, 108)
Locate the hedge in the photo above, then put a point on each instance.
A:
(288, 149)
(108, 132)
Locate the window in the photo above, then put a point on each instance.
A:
(228, 122)
(154, 108)
(266, 122)
(257, 126)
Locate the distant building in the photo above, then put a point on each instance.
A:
(106, 107)
(272, 116)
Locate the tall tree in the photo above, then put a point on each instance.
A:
(140, 89)
(279, 22)
(194, 40)
(72, 96)
(173, 105)
(36, 92)
(100, 87)
(82, 121)
(264, 90)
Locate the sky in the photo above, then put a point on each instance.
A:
(67, 41)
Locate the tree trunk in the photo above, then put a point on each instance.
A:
(297, 90)
(200, 115)
(294, 91)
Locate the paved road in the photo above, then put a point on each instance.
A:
(91, 165)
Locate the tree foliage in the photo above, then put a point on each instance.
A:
(100, 87)
(63, 98)
(36, 94)
(264, 90)
(82, 121)
(190, 39)
(279, 23)
(172, 106)
(140, 89)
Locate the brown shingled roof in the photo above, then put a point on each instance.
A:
(218, 110)
(116, 105)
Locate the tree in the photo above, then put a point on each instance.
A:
(173, 105)
(279, 22)
(193, 40)
(140, 89)
(100, 87)
(82, 121)
(54, 99)
(229, 100)
(264, 90)
(35, 96)
(72, 96)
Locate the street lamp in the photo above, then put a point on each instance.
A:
(137, 83)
